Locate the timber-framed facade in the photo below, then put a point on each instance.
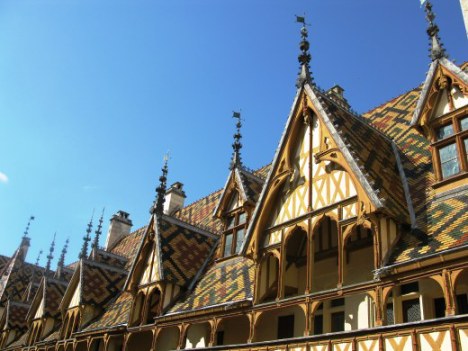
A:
(355, 237)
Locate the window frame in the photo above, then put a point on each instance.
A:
(234, 230)
(454, 118)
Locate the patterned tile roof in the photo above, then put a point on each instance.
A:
(375, 157)
(394, 119)
(128, 246)
(54, 336)
(16, 315)
(16, 281)
(184, 250)
(227, 281)
(252, 184)
(108, 258)
(54, 291)
(117, 312)
(20, 342)
(200, 213)
(3, 262)
(100, 283)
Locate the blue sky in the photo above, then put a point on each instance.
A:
(94, 93)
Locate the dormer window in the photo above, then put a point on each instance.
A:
(234, 233)
(450, 146)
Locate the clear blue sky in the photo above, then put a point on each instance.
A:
(93, 93)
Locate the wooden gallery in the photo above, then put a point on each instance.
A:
(354, 238)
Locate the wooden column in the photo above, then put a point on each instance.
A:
(310, 257)
(182, 335)
(281, 269)
(340, 256)
(213, 328)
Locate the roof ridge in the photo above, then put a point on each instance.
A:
(253, 172)
(373, 110)
(199, 200)
(191, 226)
(361, 120)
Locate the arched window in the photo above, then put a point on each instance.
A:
(269, 275)
(154, 303)
(295, 271)
(325, 267)
(137, 309)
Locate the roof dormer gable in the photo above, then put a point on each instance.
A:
(445, 90)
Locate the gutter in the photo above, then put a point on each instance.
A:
(386, 269)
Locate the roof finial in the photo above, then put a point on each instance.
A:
(26, 231)
(158, 206)
(86, 239)
(437, 48)
(98, 231)
(50, 256)
(237, 145)
(38, 257)
(61, 262)
(304, 57)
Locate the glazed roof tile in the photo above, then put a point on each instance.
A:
(16, 281)
(200, 213)
(227, 281)
(100, 283)
(16, 315)
(20, 342)
(117, 312)
(375, 157)
(394, 119)
(183, 250)
(128, 246)
(109, 258)
(54, 291)
(3, 262)
(251, 183)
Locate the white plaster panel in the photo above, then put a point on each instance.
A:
(463, 339)
(344, 346)
(398, 343)
(430, 341)
(368, 345)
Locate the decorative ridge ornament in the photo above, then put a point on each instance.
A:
(86, 239)
(38, 257)
(50, 256)
(26, 231)
(437, 49)
(61, 262)
(236, 160)
(304, 57)
(98, 231)
(158, 206)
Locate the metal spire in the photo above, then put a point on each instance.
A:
(158, 206)
(50, 256)
(86, 239)
(98, 232)
(26, 231)
(38, 257)
(304, 57)
(437, 49)
(237, 145)
(61, 262)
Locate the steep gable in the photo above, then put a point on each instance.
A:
(445, 89)
(326, 156)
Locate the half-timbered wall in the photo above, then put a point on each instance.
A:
(293, 198)
(151, 270)
(450, 99)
